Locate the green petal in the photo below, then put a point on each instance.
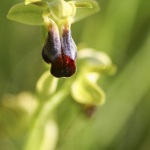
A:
(82, 4)
(28, 14)
(85, 8)
(96, 61)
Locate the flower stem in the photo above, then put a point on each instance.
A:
(35, 133)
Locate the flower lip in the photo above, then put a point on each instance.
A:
(60, 49)
(52, 47)
(63, 66)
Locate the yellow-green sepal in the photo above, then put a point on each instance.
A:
(30, 14)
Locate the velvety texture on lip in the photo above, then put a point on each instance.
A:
(67, 44)
(52, 47)
(60, 51)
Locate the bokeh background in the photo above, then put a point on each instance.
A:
(122, 30)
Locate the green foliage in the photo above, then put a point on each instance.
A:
(28, 119)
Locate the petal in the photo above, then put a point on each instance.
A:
(28, 14)
(84, 9)
(96, 61)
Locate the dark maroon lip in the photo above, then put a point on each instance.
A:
(63, 66)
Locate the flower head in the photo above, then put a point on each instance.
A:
(59, 49)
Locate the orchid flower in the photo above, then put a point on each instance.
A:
(57, 16)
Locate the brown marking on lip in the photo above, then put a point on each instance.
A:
(63, 66)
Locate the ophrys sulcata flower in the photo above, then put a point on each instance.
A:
(57, 16)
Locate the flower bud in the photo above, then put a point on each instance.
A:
(46, 85)
(85, 91)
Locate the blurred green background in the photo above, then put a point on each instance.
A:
(122, 30)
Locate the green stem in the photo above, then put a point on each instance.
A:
(35, 134)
